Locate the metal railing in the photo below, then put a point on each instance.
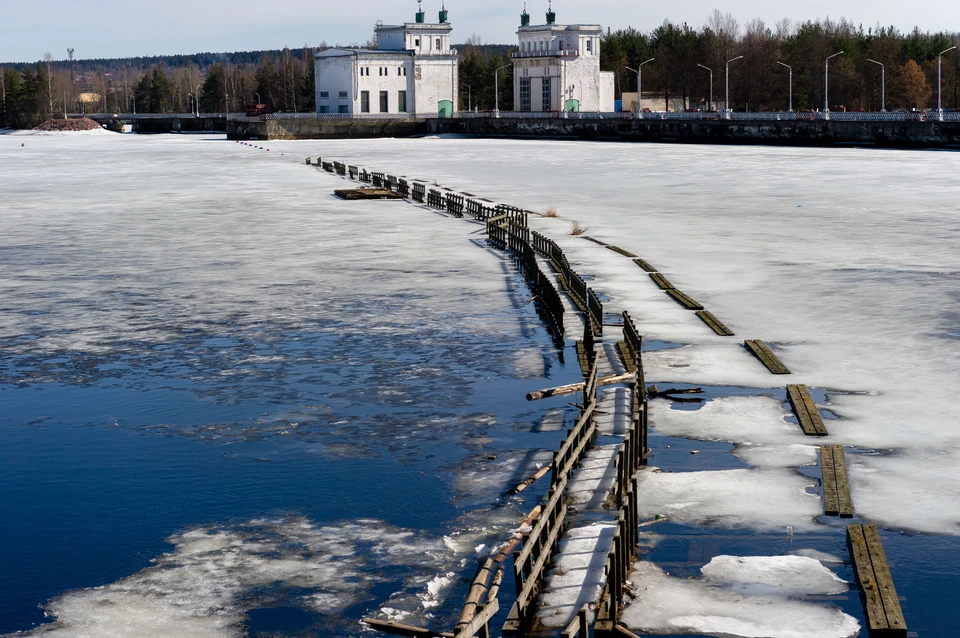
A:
(558, 53)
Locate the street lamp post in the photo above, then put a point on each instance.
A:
(196, 98)
(939, 83)
(790, 68)
(496, 88)
(726, 103)
(638, 71)
(469, 98)
(883, 85)
(826, 81)
(710, 104)
(258, 97)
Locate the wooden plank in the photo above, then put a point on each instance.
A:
(715, 324)
(766, 356)
(815, 419)
(831, 504)
(404, 630)
(869, 592)
(684, 299)
(843, 485)
(626, 356)
(795, 394)
(596, 241)
(884, 580)
(661, 281)
(645, 265)
(617, 249)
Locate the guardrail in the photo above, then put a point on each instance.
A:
(619, 563)
(530, 563)
(573, 283)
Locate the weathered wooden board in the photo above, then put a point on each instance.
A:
(661, 281)
(806, 410)
(843, 484)
(715, 324)
(884, 615)
(684, 299)
(625, 253)
(766, 356)
(884, 580)
(645, 265)
(596, 241)
(831, 502)
(583, 359)
(366, 193)
(404, 630)
(626, 356)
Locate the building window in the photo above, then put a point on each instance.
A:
(343, 108)
(364, 101)
(589, 45)
(525, 94)
(438, 44)
(343, 95)
(384, 101)
(547, 93)
(402, 101)
(380, 70)
(324, 95)
(541, 45)
(416, 43)
(324, 108)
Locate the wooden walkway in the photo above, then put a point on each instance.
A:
(879, 596)
(806, 410)
(836, 487)
(766, 356)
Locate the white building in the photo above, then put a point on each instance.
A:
(412, 70)
(558, 68)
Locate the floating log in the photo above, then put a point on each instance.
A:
(645, 265)
(405, 630)
(367, 193)
(766, 356)
(524, 484)
(507, 548)
(654, 391)
(806, 410)
(578, 387)
(684, 299)
(879, 596)
(715, 324)
(661, 281)
(625, 253)
(474, 596)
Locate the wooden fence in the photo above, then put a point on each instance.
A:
(530, 564)
(455, 204)
(619, 562)
(419, 192)
(435, 199)
(581, 294)
(478, 210)
(377, 179)
(340, 167)
(364, 176)
(328, 166)
(403, 188)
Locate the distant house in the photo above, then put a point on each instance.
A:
(558, 68)
(412, 70)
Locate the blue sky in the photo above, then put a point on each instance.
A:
(111, 28)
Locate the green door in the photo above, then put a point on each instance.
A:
(572, 106)
(445, 108)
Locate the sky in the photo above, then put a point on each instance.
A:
(117, 29)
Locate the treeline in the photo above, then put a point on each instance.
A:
(758, 82)
(478, 63)
(30, 94)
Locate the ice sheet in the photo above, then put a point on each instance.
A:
(668, 605)
(214, 575)
(843, 260)
(761, 499)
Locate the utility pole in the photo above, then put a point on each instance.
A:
(791, 84)
(710, 103)
(940, 82)
(826, 82)
(883, 85)
(496, 88)
(726, 104)
(73, 77)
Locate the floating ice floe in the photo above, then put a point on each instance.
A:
(744, 597)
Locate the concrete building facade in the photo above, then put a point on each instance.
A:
(412, 70)
(558, 68)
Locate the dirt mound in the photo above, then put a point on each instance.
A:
(77, 124)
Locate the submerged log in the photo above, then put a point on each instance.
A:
(507, 549)
(543, 471)
(578, 387)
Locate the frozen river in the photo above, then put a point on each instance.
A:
(238, 405)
